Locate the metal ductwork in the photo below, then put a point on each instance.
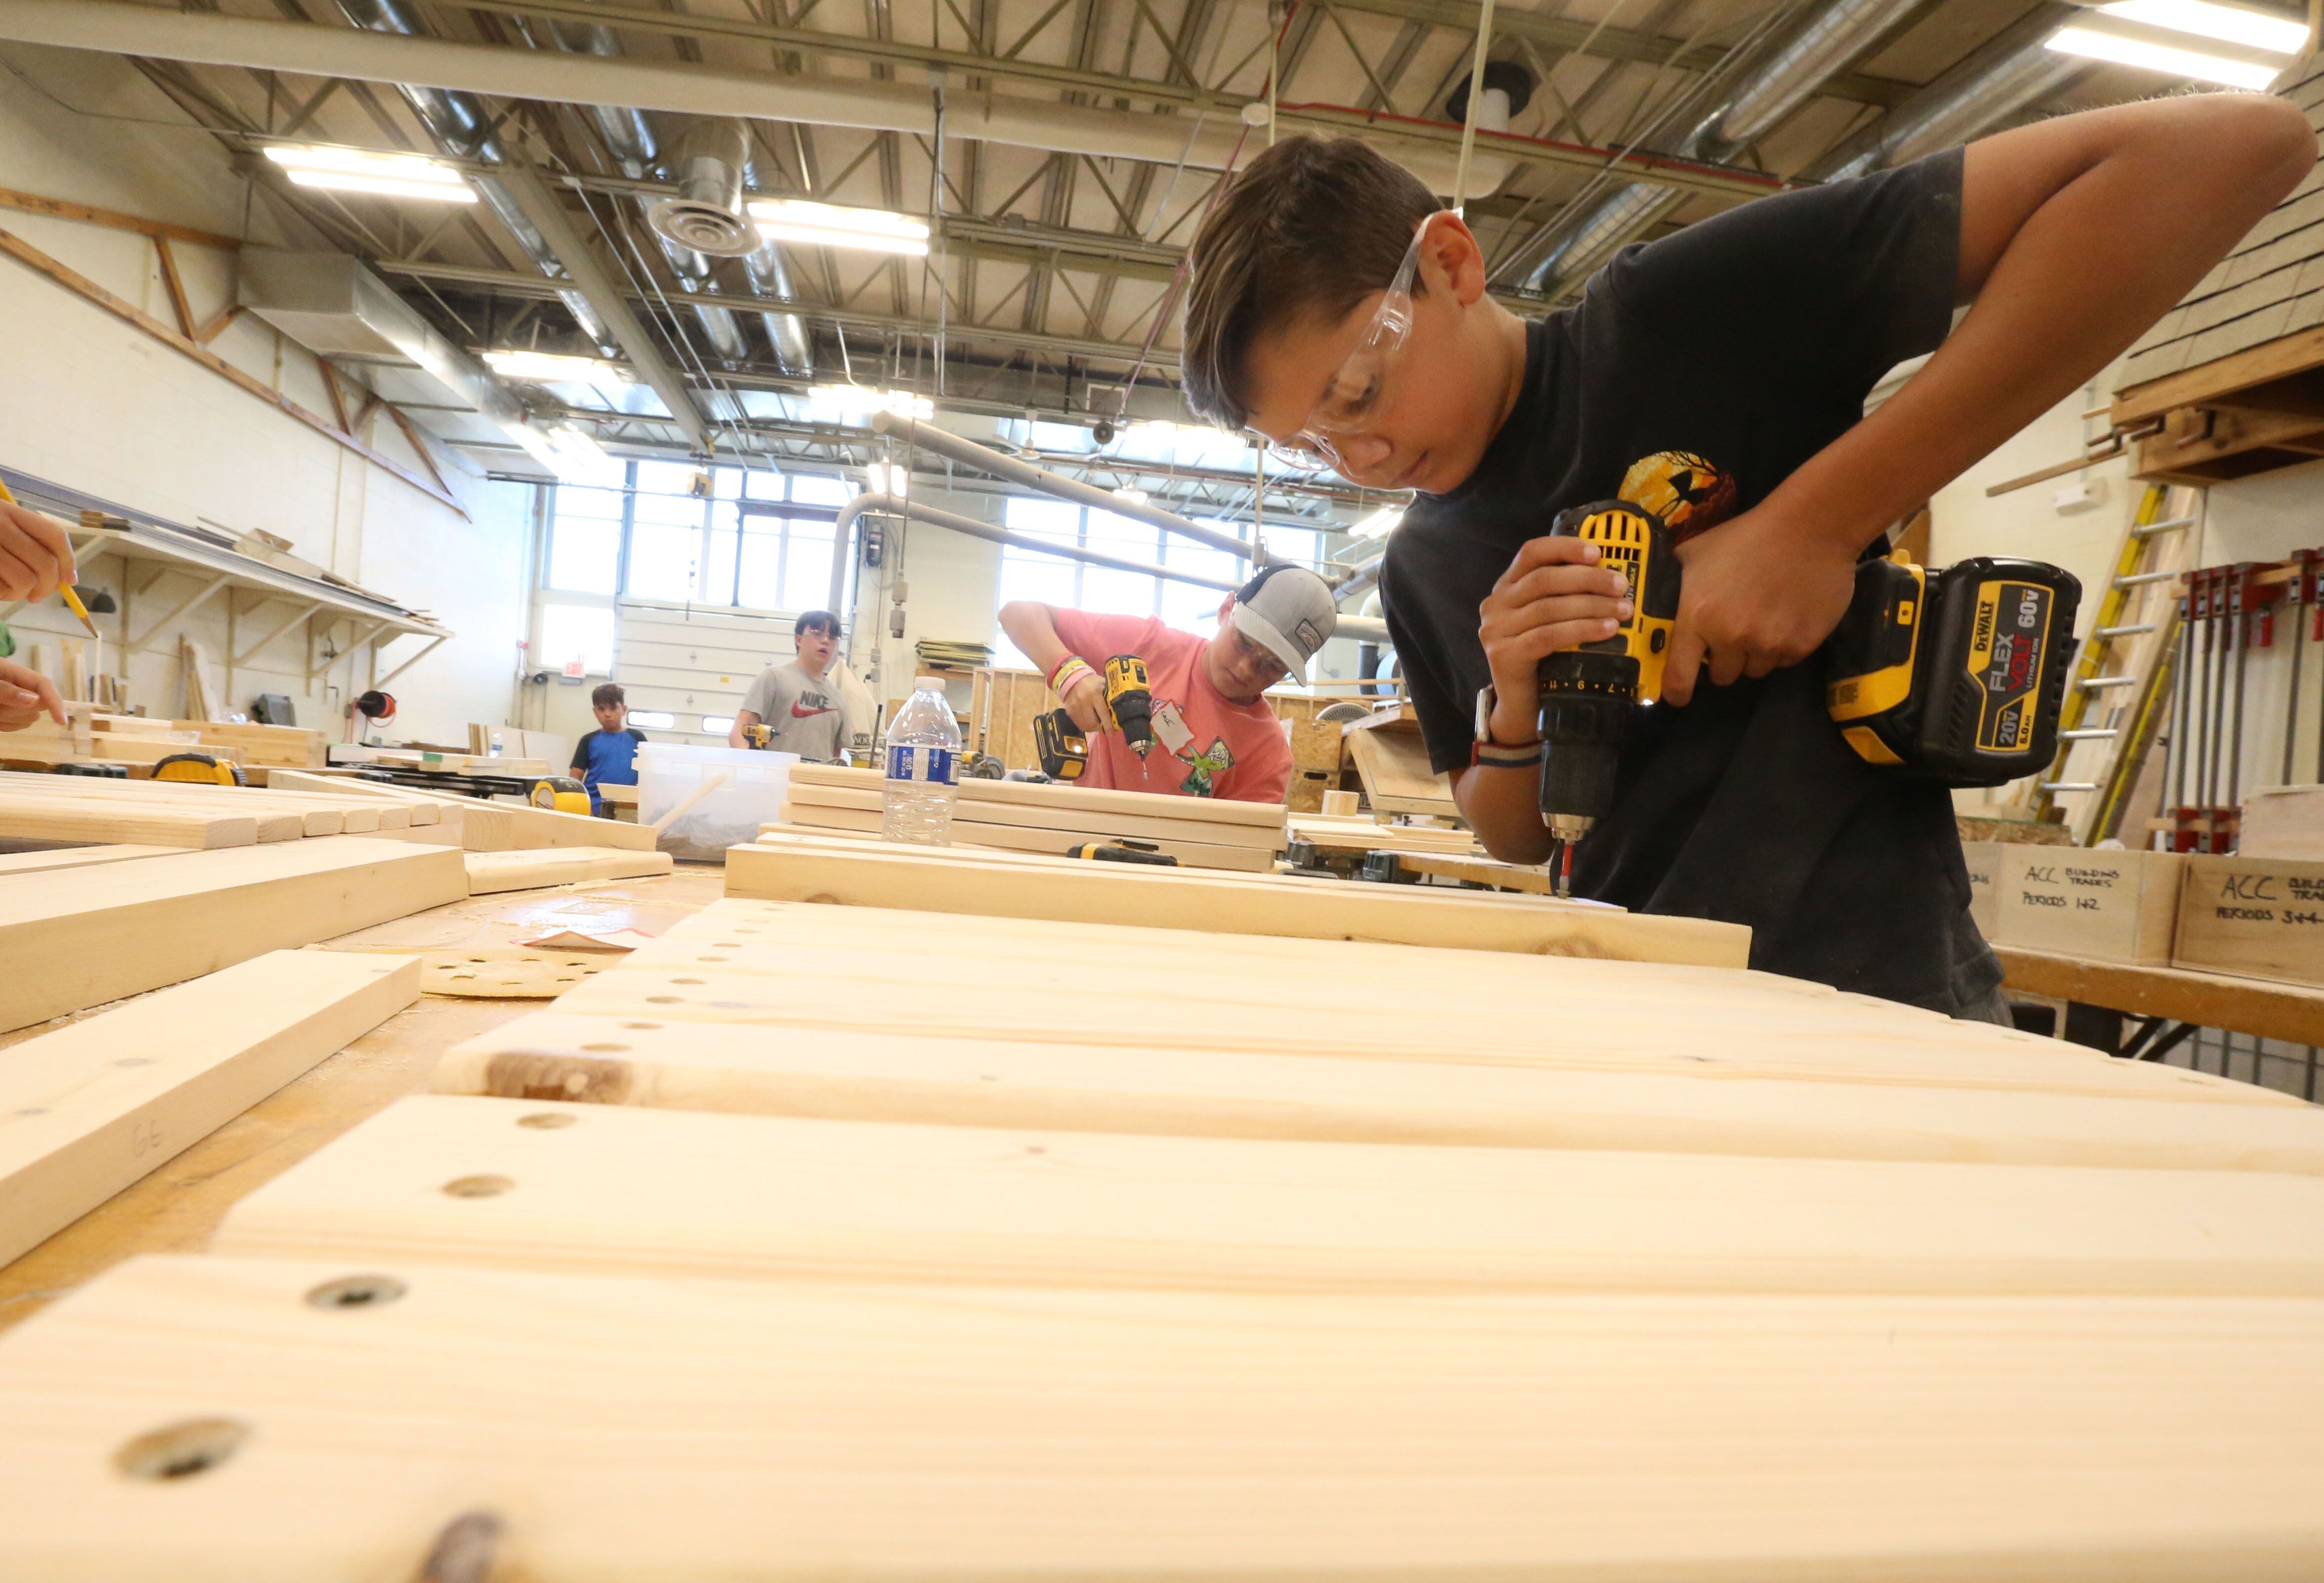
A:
(705, 213)
(333, 306)
(2007, 74)
(634, 143)
(1768, 93)
(461, 128)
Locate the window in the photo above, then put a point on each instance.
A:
(718, 724)
(653, 720)
(1051, 579)
(650, 536)
(583, 632)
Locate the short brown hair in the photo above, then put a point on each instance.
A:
(608, 692)
(1312, 226)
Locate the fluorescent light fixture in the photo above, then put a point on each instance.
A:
(2233, 25)
(355, 169)
(1380, 523)
(574, 443)
(854, 401)
(554, 367)
(2102, 46)
(889, 478)
(1134, 497)
(871, 230)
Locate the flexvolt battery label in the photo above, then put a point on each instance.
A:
(2005, 659)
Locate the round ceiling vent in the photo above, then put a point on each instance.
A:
(705, 228)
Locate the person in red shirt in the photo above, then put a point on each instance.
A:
(1214, 735)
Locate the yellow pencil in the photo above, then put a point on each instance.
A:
(72, 600)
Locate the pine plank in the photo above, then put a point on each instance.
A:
(627, 1190)
(1066, 818)
(1027, 794)
(558, 865)
(75, 818)
(15, 863)
(1051, 843)
(848, 1075)
(306, 815)
(83, 937)
(89, 1109)
(626, 1430)
(1124, 894)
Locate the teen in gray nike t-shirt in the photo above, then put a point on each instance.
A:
(795, 702)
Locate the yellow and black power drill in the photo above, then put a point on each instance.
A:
(1956, 676)
(1062, 746)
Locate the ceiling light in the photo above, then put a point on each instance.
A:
(873, 230)
(574, 443)
(2190, 63)
(1380, 523)
(1134, 496)
(354, 170)
(889, 478)
(2233, 25)
(554, 367)
(855, 401)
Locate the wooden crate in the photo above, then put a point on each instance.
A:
(2109, 905)
(2262, 918)
(2283, 822)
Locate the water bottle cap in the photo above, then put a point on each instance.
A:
(933, 683)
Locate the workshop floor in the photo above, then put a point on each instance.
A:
(176, 1208)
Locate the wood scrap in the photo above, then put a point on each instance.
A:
(89, 1109)
(208, 1416)
(1124, 894)
(85, 936)
(507, 972)
(65, 818)
(857, 1075)
(558, 866)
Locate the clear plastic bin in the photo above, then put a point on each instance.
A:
(727, 815)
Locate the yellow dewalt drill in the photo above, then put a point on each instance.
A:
(1062, 746)
(1955, 676)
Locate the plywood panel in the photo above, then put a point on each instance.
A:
(88, 1109)
(852, 1074)
(631, 1191)
(627, 1429)
(83, 937)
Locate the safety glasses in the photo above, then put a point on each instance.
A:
(1354, 398)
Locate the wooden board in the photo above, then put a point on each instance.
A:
(15, 863)
(621, 1190)
(2289, 1011)
(83, 937)
(2282, 822)
(88, 1109)
(1025, 794)
(67, 817)
(1121, 894)
(499, 826)
(312, 814)
(2114, 906)
(850, 1075)
(558, 866)
(1394, 768)
(802, 967)
(629, 1429)
(2256, 916)
(1069, 823)
(1005, 837)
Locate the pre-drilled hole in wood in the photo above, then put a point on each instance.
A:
(643, 1027)
(687, 981)
(606, 1048)
(181, 1450)
(546, 1121)
(357, 1292)
(662, 1000)
(478, 1187)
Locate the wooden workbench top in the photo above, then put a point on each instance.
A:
(2268, 1007)
(175, 1209)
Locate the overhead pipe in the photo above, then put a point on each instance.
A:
(1203, 135)
(2003, 77)
(1768, 92)
(460, 127)
(1001, 464)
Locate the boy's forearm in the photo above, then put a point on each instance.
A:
(1503, 806)
(2077, 235)
(1034, 630)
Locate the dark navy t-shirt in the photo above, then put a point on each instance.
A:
(1696, 374)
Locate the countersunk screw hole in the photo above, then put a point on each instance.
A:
(181, 1450)
(357, 1292)
(478, 1187)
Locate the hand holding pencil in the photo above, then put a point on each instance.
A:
(36, 558)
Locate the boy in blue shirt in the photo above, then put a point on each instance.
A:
(607, 756)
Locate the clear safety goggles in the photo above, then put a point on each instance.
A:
(1353, 400)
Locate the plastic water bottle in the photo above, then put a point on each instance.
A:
(923, 768)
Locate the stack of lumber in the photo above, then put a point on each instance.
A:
(1109, 1253)
(445, 762)
(1022, 817)
(170, 813)
(800, 865)
(266, 746)
(104, 739)
(478, 825)
(1340, 833)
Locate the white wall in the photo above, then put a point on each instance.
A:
(90, 402)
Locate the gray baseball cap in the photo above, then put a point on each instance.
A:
(1289, 611)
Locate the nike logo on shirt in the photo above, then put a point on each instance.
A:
(799, 714)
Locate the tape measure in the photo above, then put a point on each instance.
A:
(200, 769)
(560, 794)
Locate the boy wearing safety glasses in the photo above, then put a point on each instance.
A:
(1718, 378)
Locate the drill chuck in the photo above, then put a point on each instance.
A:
(1586, 700)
